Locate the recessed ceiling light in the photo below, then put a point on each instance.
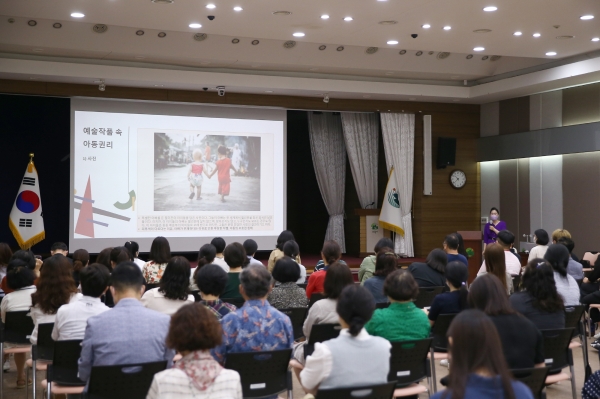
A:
(159, 85)
(77, 15)
(426, 26)
(586, 17)
(392, 42)
(211, 6)
(348, 19)
(551, 53)
(537, 34)
(268, 91)
(490, 8)
(237, 8)
(447, 27)
(596, 39)
(195, 26)
(324, 16)
(479, 49)
(517, 33)
(299, 34)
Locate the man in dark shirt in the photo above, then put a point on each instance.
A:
(451, 249)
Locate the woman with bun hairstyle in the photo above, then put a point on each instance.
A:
(354, 358)
(81, 258)
(330, 254)
(206, 256)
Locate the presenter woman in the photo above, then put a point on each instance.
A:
(491, 229)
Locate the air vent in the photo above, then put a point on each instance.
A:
(163, 1)
(371, 50)
(484, 58)
(443, 56)
(282, 13)
(289, 44)
(140, 32)
(482, 31)
(57, 25)
(322, 47)
(469, 56)
(402, 52)
(495, 57)
(566, 37)
(200, 37)
(255, 42)
(419, 53)
(388, 22)
(340, 48)
(99, 28)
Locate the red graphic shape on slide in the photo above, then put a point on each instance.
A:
(84, 226)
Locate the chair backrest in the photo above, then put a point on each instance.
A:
(382, 305)
(128, 381)
(381, 391)
(426, 295)
(261, 373)
(316, 296)
(516, 282)
(534, 378)
(439, 330)
(573, 315)
(237, 302)
(45, 344)
(150, 286)
(18, 327)
(64, 363)
(557, 354)
(297, 316)
(408, 363)
(321, 333)
(303, 286)
(196, 295)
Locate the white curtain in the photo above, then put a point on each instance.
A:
(329, 159)
(361, 132)
(399, 144)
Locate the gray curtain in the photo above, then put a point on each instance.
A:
(361, 132)
(329, 159)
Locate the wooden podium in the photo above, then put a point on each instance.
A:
(473, 240)
(370, 230)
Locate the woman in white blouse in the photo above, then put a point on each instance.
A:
(173, 290)
(558, 256)
(541, 239)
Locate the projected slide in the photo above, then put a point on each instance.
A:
(137, 176)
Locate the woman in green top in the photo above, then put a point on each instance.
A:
(235, 257)
(402, 320)
(367, 267)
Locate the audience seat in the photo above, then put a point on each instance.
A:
(44, 351)
(61, 374)
(534, 378)
(558, 356)
(17, 329)
(237, 302)
(426, 295)
(382, 391)
(320, 333)
(126, 381)
(315, 296)
(409, 365)
(439, 347)
(297, 317)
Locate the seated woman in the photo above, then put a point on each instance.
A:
(277, 253)
(173, 290)
(193, 332)
(235, 257)
(286, 293)
(367, 267)
(522, 342)
(386, 263)
(541, 239)
(454, 301)
(402, 320)
(212, 280)
(478, 370)
(354, 358)
(134, 248)
(538, 300)
(495, 263)
(292, 250)
(558, 257)
(206, 256)
(118, 255)
(431, 273)
(81, 258)
(337, 277)
(55, 288)
(330, 253)
(160, 254)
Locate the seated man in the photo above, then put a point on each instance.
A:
(506, 240)
(574, 268)
(71, 319)
(211, 281)
(250, 246)
(127, 334)
(256, 326)
(60, 248)
(451, 249)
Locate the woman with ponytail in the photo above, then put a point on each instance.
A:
(454, 301)
(354, 358)
(81, 258)
(206, 256)
(558, 256)
(330, 254)
(134, 248)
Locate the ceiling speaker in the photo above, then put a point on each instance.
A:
(99, 28)
(372, 50)
(443, 55)
(495, 57)
(289, 44)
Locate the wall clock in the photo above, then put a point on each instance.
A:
(458, 179)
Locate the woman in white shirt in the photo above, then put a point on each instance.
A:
(193, 332)
(55, 288)
(20, 278)
(558, 256)
(134, 248)
(173, 290)
(541, 239)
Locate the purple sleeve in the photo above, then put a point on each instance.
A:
(488, 235)
(501, 225)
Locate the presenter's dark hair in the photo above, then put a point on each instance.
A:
(94, 280)
(331, 252)
(383, 243)
(133, 247)
(286, 270)
(25, 256)
(567, 242)
(234, 255)
(506, 237)
(19, 275)
(219, 244)
(194, 328)
(160, 251)
(120, 254)
(284, 237)
(81, 258)
(59, 245)
(558, 256)
(355, 306)
(55, 285)
(104, 258)
(291, 249)
(385, 262)
(437, 260)
(211, 280)
(337, 277)
(175, 282)
(250, 246)
(489, 295)
(476, 346)
(401, 286)
(541, 236)
(538, 281)
(126, 276)
(494, 209)
(5, 254)
(451, 241)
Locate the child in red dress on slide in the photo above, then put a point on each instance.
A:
(223, 165)
(195, 174)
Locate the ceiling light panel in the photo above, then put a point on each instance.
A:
(238, 8)
(426, 26)
(195, 25)
(586, 17)
(490, 8)
(77, 15)
(447, 27)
